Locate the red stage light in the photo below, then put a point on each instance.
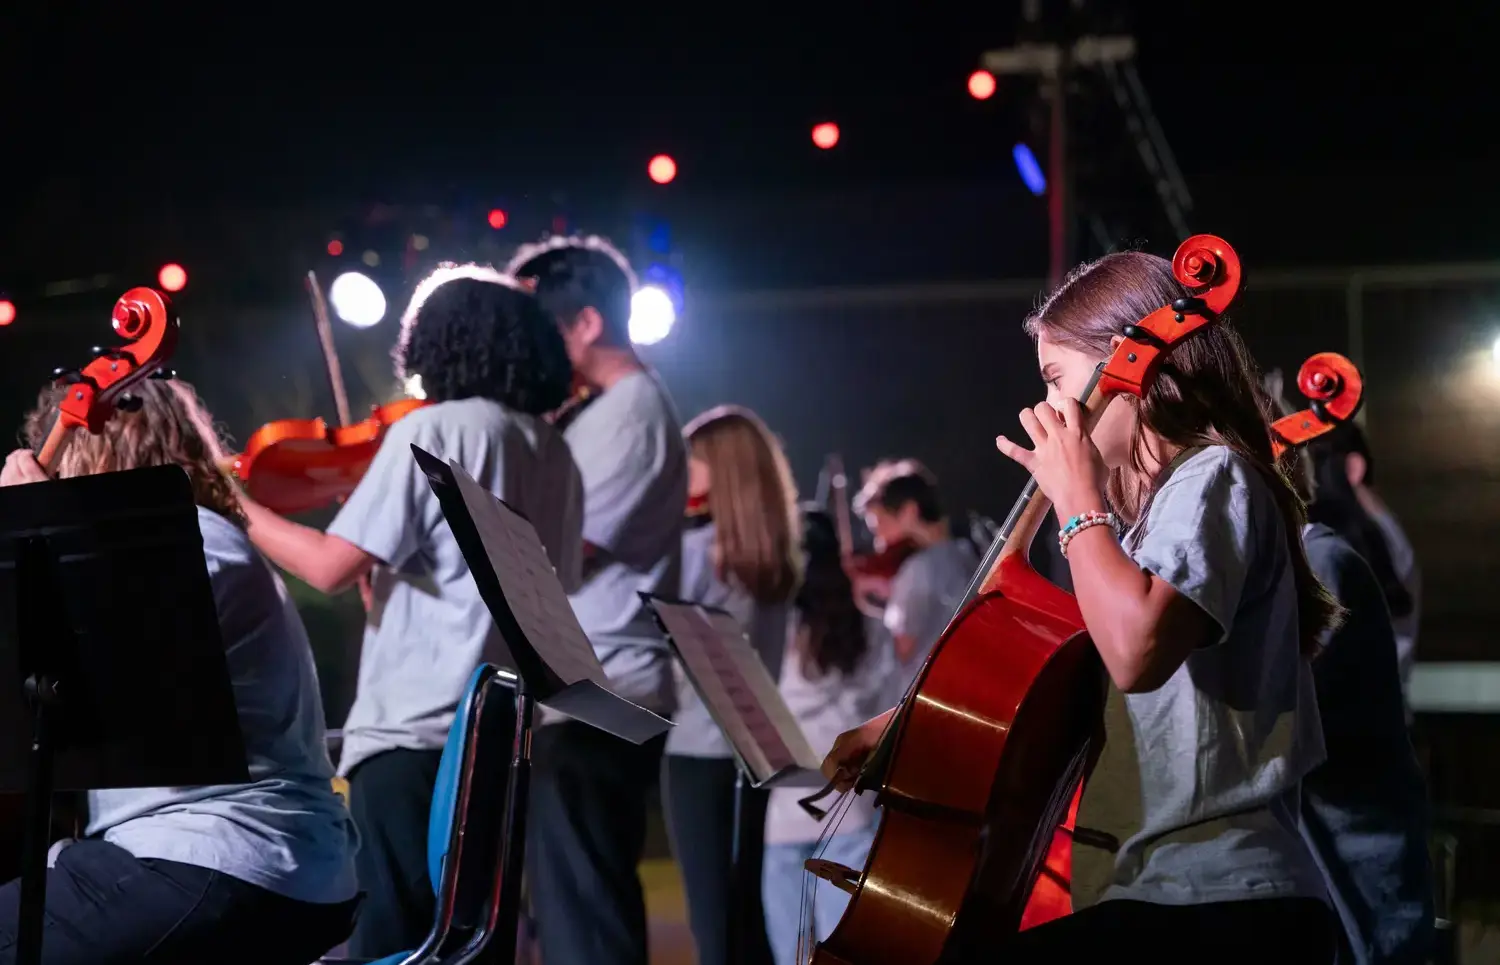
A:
(7, 313)
(497, 219)
(826, 135)
(982, 85)
(172, 278)
(335, 247)
(662, 169)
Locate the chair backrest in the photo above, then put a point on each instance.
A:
(469, 807)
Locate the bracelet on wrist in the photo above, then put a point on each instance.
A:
(1081, 522)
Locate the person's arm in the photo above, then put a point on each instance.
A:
(1143, 627)
(621, 463)
(906, 608)
(328, 563)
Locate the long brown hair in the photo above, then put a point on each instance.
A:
(163, 432)
(753, 502)
(1208, 393)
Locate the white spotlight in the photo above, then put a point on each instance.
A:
(1494, 352)
(651, 315)
(357, 299)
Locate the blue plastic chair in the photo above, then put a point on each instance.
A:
(471, 804)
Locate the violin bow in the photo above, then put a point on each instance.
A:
(330, 354)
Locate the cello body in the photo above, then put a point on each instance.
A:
(980, 770)
(998, 734)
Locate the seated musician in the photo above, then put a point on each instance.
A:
(1364, 811)
(492, 363)
(740, 554)
(1206, 617)
(261, 872)
(899, 502)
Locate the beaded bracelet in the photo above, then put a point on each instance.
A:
(1080, 523)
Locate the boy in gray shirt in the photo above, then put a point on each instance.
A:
(491, 363)
(589, 789)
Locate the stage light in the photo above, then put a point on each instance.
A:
(662, 169)
(357, 299)
(652, 315)
(172, 278)
(497, 219)
(826, 135)
(371, 258)
(1494, 352)
(335, 247)
(981, 85)
(7, 313)
(1029, 169)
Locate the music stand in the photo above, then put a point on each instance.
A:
(112, 667)
(736, 688)
(554, 661)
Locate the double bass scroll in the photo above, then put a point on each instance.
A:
(1335, 389)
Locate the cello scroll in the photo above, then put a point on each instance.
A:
(1335, 388)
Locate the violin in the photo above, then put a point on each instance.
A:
(145, 320)
(581, 397)
(295, 465)
(881, 564)
(1335, 389)
(979, 773)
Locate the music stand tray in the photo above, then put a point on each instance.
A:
(112, 666)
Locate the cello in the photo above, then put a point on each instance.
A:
(1334, 388)
(145, 319)
(981, 763)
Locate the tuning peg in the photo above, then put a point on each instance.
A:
(110, 352)
(66, 376)
(164, 374)
(129, 403)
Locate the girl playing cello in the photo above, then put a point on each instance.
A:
(1187, 844)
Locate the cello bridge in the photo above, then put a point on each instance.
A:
(843, 878)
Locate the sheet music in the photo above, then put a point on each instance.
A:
(737, 689)
(531, 587)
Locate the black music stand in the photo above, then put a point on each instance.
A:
(769, 746)
(554, 662)
(112, 668)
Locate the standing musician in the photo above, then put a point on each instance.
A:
(741, 552)
(1364, 810)
(259, 872)
(589, 790)
(1187, 846)
(492, 364)
(1346, 450)
(899, 502)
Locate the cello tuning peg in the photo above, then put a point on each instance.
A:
(129, 403)
(164, 374)
(66, 376)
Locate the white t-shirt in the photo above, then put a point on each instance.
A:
(428, 628)
(285, 831)
(629, 449)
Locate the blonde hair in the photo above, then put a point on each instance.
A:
(167, 430)
(753, 501)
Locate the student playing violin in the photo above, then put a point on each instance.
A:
(491, 362)
(259, 872)
(1187, 846)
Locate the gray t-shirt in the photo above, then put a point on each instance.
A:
(766, 625)
(1196, 793)
(629, 448)
(924, 594)
(428, 628)
(285, 831)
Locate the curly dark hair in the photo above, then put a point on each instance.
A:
(470, 332)
(570, 274)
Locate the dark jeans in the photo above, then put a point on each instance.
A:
(1286, 931)
(587, 830)
(699, 796)
(390, 797)
(107, 907)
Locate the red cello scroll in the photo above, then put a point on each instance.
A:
(981, 760)
(1335, 389)
(145, 319)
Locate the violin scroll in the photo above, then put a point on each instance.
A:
(1205, 264)
(1335, 388)
(148, 323)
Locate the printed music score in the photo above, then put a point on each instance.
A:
(737, 690)
(532, 590)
